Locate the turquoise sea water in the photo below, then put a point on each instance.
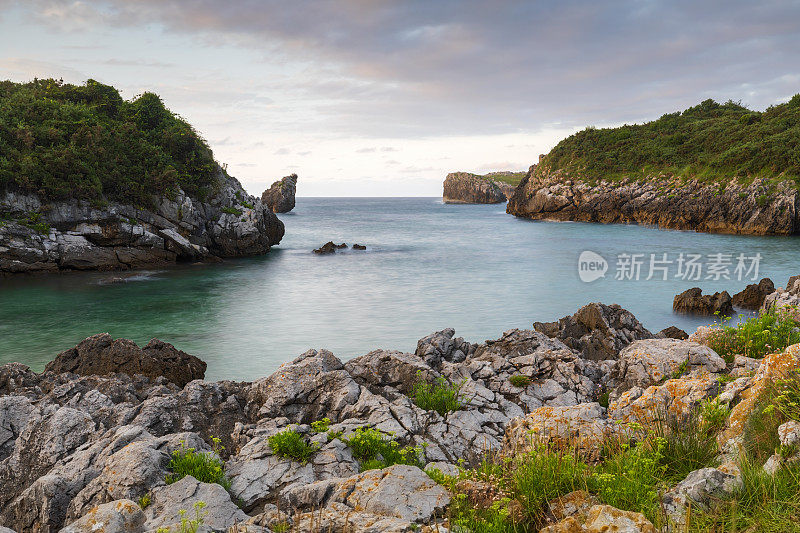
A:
(428, 266)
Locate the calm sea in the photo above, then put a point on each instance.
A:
(428, 266)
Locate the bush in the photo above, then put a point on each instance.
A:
(204, 467)
(710, 141)
(440, 396)
(65, 141)
(188, 525)
(290, 444)
(375, 449)
(770, 332)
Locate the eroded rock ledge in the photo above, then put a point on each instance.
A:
(468, 188)
(758, 208)
(36, 236)
(78, 448)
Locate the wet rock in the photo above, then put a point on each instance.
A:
(101, 355)
(693, 301)
(279, 198)
(329, 248)
(752, 297)
(359, 247)
(120, 516)
(597, 331)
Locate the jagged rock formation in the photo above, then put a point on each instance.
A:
(757, 208)
(279, 198)
(80, 450)
(693, 301)
(752, 297)
(467, 188)
(78, 235)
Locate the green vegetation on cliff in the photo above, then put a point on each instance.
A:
(709, 141)
(68, 141)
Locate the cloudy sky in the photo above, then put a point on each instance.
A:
(385, 97)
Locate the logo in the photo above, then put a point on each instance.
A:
(591, 266)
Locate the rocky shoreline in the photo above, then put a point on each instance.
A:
(87, 444)
(757, 208)
(38, 236)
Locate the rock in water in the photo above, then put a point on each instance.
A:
(330, 247)
(101, 355)
(78, 235)
(466, 188)
(672, 332)
(359, 247)
(280, 196)
(693, 301)
(752, 297)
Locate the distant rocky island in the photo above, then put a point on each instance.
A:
(468, 188)
(89, 181)
(718, 168)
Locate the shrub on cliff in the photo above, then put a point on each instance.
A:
(69, 141)
(710, 140)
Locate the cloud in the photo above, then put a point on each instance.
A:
(282, 151)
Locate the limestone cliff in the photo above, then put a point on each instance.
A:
(758, 207)
(280, 196)
(39, 236)
(467, 188)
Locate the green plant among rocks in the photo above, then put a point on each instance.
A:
(187, 524)
(204, 467)
(519, 380)
(374, 449)
(440, 396)
(292, 445)
(769, 332)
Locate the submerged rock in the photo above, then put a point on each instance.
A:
(279, 198)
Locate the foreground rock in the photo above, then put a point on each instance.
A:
(101, 355)
(279, 198)
(466, 188)
(688, 204)
(693, 301)
(39, 236)
(78, 448)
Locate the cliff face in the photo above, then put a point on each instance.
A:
(758, 208)
(279, 198)
(77, 235)
(466, 188)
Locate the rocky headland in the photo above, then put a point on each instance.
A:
(279, 198)
(93, 443)
(468, 188)
(758, 207)
(39, 235)
(719, 168)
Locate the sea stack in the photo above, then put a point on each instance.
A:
(280, 196)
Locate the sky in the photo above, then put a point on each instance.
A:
(385, 97)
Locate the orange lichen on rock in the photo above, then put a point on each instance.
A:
(774, 367)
